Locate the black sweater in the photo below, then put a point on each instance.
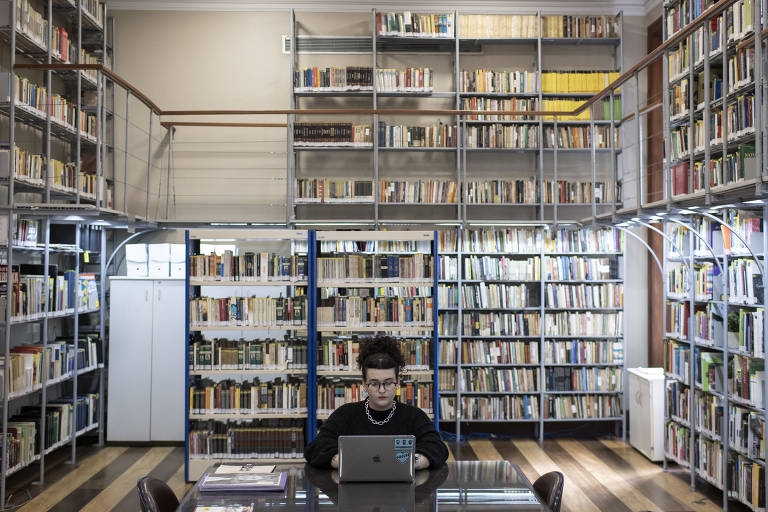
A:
(350, 420)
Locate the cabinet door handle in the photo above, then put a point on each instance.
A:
(159, 290)
(146, 295)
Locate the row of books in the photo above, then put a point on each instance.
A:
(584, 296)
(25, 232)
(498, 296)
(678, 443)
(375, 246)
(249, 266)
(28, 364)
(333, 190)
(407, 24)
(501, 136)
(247, 311)
(739, 165)
(496, 380)
(362, 266)
(583, 352)
(365, 311)
(532, 240)
(63, 417)
(257, 354)
(233, 397)
(333, 393)
(498, 81)
(256, 439)
(745, 432)
(34, 25)
(28, 300)
(583, 379)
(583, 324)
(745, 282)
(332, 134)
(492, 352)
(588, 27)
(579, 137)
(500, 324)
(32, 168)
(490, 26)
(746, 380)
(495, 408)
(33, 96)
(575, 82)
(677, 357)
(582, 406)
(602, 110)
(361, 78)
(580, 268)
(501, 268)
(419, 191)
(498, 105)
(402, 136)
(340, 354)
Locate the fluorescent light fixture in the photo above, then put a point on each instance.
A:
(229, 223)
(720, 207)
(661, 214)
(636, 219)
(686, 212)
(623, 225)
(755, 201)
(655, 218)
(74, 217)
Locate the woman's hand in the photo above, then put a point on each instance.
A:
(421, 462)
(335, 461)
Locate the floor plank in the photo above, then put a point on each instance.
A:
(126, 482)
(574, 499)
(644, 468)
(630, 496)
(177, 483)
(163, 471)
(451, 458)
(85, 470)
(485, 450)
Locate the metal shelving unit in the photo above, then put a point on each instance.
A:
(378, 45)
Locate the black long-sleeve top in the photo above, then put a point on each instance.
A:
(351, 420)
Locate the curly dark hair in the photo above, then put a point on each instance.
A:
(380, 352)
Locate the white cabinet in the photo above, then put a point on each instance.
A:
(146, 360)
(646, 411)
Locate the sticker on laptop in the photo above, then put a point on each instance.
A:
(402, 457)
(404, 443)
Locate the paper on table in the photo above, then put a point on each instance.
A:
(248, 469)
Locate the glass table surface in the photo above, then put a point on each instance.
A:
(473, 486)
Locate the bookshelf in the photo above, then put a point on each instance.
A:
(249, 315)
(372, 282)
(715, 352)
(512, 330)
(54, 355)
(710, 98)
(465, 61)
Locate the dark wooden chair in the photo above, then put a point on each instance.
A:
(550, 488)
(156, 496)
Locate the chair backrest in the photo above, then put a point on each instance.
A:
(156, 496)
(550, 488)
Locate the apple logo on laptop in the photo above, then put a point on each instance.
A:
(376, 458)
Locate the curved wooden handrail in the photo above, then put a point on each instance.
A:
(625, 77)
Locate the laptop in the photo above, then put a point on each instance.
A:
(376, 458)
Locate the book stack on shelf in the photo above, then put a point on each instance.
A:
(532, 323)
(247, 390)
(715, 353)
(712, 146)
(372, 282)
(475, 85)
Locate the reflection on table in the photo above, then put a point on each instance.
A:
(475, 486)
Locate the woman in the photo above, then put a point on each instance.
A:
(380, 414)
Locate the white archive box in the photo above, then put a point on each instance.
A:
(159, 260)
(136, 260)
(178, 260)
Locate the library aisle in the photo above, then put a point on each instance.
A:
(600, 475)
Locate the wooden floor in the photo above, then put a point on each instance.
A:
(600, 475)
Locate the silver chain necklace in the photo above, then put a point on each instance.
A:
(389, 417)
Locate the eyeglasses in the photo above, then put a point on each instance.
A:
(388, 385)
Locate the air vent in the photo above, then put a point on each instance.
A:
(329, 44)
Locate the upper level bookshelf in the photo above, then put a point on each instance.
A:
(462, 61)
(710, 101)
